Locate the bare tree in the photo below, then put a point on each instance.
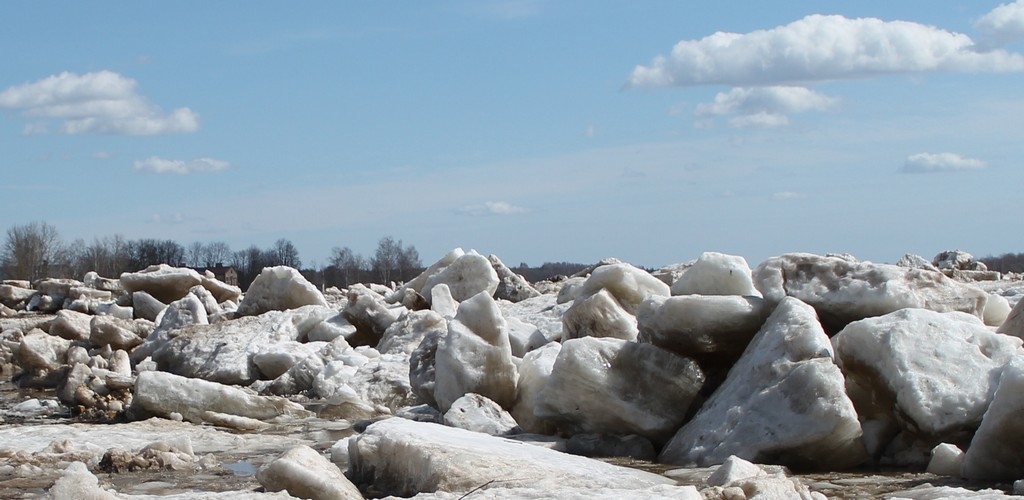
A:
(286, 254)
(408, 262)
(394, 261)
(217, 253)
(147, 252)
(195, 253)
(348, 263)
(385, 258)
(32, 251)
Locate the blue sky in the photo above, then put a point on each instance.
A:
(535, 130)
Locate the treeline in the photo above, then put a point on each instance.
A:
(548, 270)
(1005, 263)
(36, 250)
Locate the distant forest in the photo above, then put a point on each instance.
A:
(1005, 263)
(36, 250)
(548, 270)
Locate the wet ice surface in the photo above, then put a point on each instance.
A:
(226, 460)
(234, 457)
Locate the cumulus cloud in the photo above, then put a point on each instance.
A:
(818, 48)
(158, 165)
(764, 106)
(492, 208)
(927, 163)
(1003, 24)
(103, 102)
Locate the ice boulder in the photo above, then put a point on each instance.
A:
(116, 333)
(957, 260)
(474, 412)
(221, 292)
(442, 302)
(301, 376)
(223, 352)
(39, 350)
(163, 282)
(699, 325)
(612, 386)
(842, 291)
(468, 275)
(146, 306)
(534, 373)
(305, 473)
(946, 460)
(995, 451)
(629, 285)
(997, 309)
(370, 314)
(186, 311)
(406, 334)
(276, 359)
(598, 315)
(716, 274)
(543, 313)
(279, 288)
(71, 325)
(784, 402)
(403, 458)
(476, 355)
(1014, 322)
(422, 366)
(511, 286)
(161, 393)
(935, 373)
(77, 483)
(15, 296)
(383, 381)
(915, 261)
(571, 288)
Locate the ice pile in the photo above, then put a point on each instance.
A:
(469, 377)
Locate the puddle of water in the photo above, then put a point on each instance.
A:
(243, 468)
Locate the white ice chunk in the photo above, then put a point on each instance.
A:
(784, 401)
(279, 288)
(995, 451)
(476, 355)
(903, 364)
(305, 473)
(402, 457)
(716, 274)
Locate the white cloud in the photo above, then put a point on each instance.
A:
(764, 106)
(818, 48)
(103, 102)
(788, 195)
(1003, 24)
(157, 165)
(103, 155)
(926, 163)
(492, 208)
